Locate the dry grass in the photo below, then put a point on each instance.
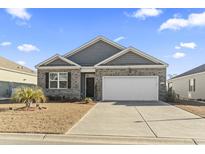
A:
(193, 107)
(57, 118)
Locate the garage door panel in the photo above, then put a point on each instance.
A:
(130, 88)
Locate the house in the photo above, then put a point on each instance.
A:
(191, 84)
(103, 70)
(13, 75)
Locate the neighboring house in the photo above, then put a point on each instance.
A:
(103, 70)
(13, 75)
(191, 84)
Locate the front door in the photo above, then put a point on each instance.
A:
(90, 87)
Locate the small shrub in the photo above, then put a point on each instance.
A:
(88, 100)
(172, 96)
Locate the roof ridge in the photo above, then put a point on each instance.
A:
(198, 69)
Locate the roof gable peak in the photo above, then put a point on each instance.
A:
(51, 59)
(134, 50)
(93, 41)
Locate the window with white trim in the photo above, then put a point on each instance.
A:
(192, 85)
(58, 80)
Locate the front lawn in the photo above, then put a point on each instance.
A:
(58, 118)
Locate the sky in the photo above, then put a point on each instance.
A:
(176, 36)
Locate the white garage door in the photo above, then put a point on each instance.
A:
(130, 88)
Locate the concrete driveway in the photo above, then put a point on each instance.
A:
(140, 119)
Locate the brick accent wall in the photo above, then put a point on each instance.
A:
(70, 93)
(161, 72)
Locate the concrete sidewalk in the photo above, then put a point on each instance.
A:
(48, 139)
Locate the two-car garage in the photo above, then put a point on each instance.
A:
(130, 88)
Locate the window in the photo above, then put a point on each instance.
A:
(53, 80)
(63, 80)
(58, 80)
(192, 85)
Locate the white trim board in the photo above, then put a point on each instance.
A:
(87, 69)
(135, 51)
(130, 66)
(51, 59)
(59, 67)
(93, 41)
(92, 69)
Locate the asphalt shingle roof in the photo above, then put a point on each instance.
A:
(7, 64)
(198, 69)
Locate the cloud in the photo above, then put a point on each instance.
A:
(27, 48)
(177, 47)
(3, 44)
(190, 45)
(21, 62)
(144, 13)
(193, 20)
(20, 13)
(119, 38)
(174, 24)
(178, 55)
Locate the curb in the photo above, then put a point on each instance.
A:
(79, 139)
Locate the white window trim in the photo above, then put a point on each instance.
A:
(58, 81)
(192, 85)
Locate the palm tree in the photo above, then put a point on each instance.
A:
(39, 96)
(29, 96)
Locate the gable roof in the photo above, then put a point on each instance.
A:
(195, 70)
(107, 50)
(136, 51)
(10, 65)
(53, 58)
(93, 41)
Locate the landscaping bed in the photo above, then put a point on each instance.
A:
(55, 117)
(191, 106)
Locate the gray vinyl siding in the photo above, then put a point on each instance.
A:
(58, 62)
(94, 54)
(130, 58)
(180, 86)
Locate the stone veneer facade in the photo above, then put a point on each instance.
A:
(75, 90)
(161, 72)
(70, 93)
